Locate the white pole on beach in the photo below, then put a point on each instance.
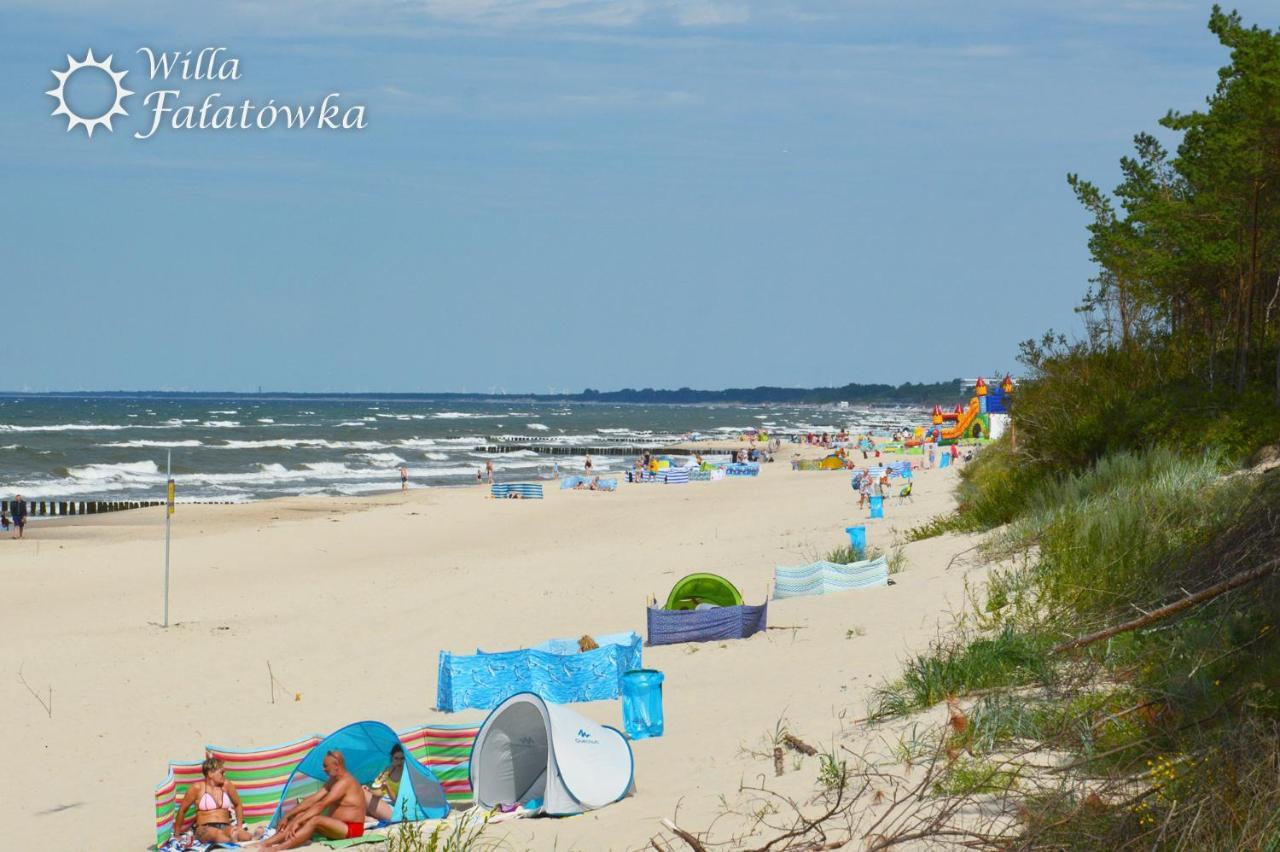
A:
(168, 516)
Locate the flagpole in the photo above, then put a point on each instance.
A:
(168, 516)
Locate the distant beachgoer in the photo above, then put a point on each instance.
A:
(341, 795)
(4, 520)
(479, 476)
(404, 478)
(19, 509)
(586, 463)
(218, 808)
(488, 471)
(955, 452)
(382, 793)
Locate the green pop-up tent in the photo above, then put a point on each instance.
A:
(696, 589)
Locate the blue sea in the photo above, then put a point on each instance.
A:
(237, 449)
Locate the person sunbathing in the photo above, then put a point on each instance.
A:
(343, 798)
(382, 793)
(215, 799)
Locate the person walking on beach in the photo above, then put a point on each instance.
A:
(18, 508)
(488, 471)
(587, 462)
(404, 478)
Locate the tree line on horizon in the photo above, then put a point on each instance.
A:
(905, 393)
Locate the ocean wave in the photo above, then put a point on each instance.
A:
(295, 443)
(466, 415)
(385, 459)
(436, 456)
(75, 427)
(143, 471)
(221, 424)
(161, 444)
(538, 427)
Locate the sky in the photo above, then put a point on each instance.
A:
(561, 194)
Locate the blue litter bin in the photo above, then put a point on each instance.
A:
(945, 461)
(877, 507)
(857, 539)
(642, 703)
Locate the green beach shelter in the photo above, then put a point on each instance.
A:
(695, 589)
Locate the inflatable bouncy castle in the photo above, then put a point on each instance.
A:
(986, 416)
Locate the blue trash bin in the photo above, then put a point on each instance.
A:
(877, 507)
(945, 461)
(642, 703)
(858, 539)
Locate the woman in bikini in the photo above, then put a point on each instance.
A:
(218, 808)
(385, 788)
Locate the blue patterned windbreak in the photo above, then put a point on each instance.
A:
(822, 578)
(555, 670)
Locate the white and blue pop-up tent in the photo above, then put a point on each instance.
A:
(548, 759)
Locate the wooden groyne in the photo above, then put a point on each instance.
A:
(568, 450)
(59, 508)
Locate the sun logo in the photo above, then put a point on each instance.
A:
(60, 94)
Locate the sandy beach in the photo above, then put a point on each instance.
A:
(350, 601)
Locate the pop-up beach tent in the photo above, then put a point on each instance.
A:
(704, 608)
(696, 589)
(366, 750)
(548, 759)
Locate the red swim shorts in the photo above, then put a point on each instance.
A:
(355, 829)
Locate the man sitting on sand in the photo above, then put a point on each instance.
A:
(344, 799)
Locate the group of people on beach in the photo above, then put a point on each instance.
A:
(337, 811)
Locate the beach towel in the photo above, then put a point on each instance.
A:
(351, 841)
(820, 578)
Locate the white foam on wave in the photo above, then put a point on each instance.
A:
(383, 459)
(295, 443)
(221, 424)
(436, 456)
(143, 443)
(225, 411)
(511, 455)
(466, 415)
(266, 420)
(74, 427)
(143, 471)
(538, 427)
(351, 423)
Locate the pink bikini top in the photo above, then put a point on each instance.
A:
(206, 802)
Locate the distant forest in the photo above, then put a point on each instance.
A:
(906, 394)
